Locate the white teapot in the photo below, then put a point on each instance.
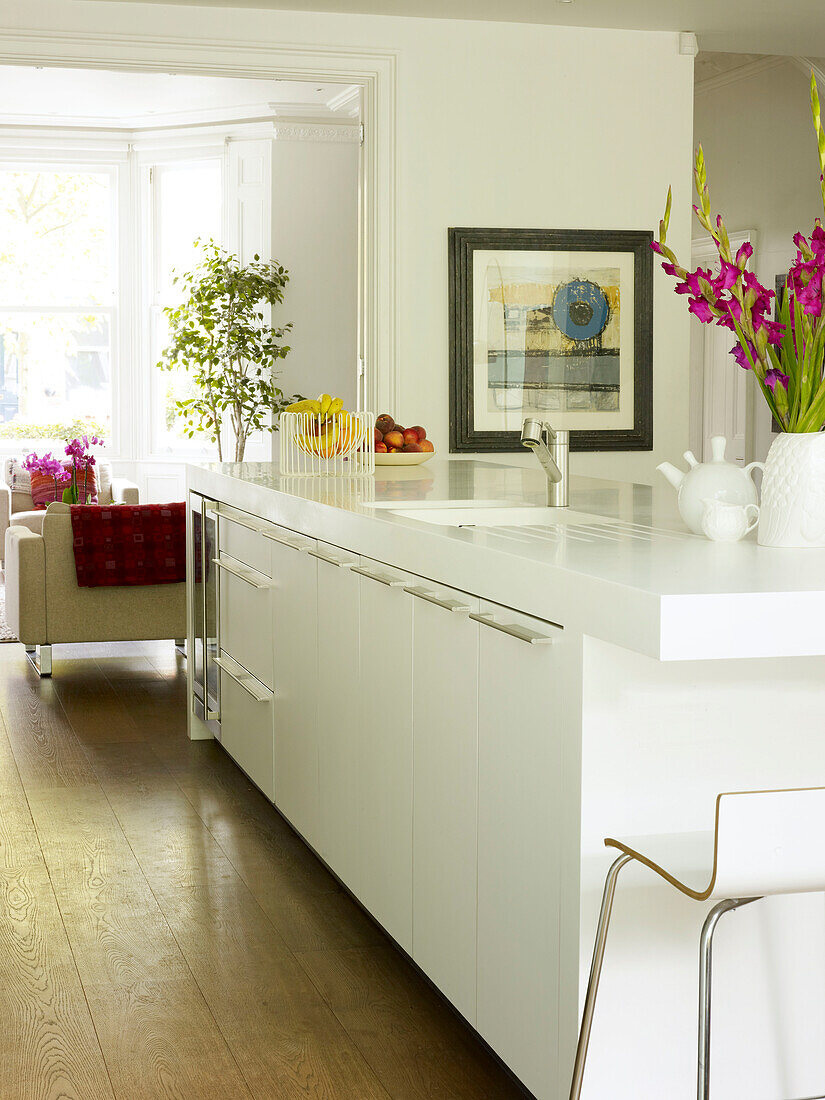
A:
(714, 480)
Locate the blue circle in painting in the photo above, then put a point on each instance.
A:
(580, 309)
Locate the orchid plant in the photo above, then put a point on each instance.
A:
(79, 451)
(784, 355)
(48, 466)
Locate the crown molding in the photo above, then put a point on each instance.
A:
(743, 72)
(196, 117)
(311, 131)
(346, 102)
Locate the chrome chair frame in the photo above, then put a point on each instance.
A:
(705, 975)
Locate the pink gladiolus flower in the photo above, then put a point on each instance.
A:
(743, 254)
(701, 309)
(733, 312)
(727, 277)
(739, 354)
(774, 377)
(773, 329)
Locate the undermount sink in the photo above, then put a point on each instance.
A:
(498, 517)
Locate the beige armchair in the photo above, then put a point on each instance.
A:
(45, 605)
(18, 508)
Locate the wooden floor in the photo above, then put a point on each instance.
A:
(163, 933)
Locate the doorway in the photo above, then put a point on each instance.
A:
(313, 133)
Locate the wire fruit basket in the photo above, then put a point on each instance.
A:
(340, 446)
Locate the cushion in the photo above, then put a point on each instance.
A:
(45, 490)
(20, 483)
(32, 519)
(17, 479)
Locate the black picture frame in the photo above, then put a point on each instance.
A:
(462, 243)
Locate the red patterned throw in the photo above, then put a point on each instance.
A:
(129, 544)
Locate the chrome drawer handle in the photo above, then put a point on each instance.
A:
(251, 685)
(241, 574)
(283, 541)
(330, 559)
(448, 605)
(523, 633)
(259, 528)
(383, 578)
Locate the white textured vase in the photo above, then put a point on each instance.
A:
(793, 491)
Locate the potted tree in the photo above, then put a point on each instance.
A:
(219, 333)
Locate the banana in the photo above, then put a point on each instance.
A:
(336, 406)
(325, 401)
(310, 405)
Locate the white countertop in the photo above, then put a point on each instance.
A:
(639, 579)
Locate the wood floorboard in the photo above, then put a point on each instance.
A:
(158, 1035)
(46, 750)
(174, 937)
(48, 1046)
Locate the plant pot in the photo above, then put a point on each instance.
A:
(793, 491)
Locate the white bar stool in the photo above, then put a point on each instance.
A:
(763, 842)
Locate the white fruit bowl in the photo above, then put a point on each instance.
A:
(414, 458)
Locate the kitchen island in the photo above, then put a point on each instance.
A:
(454, 696)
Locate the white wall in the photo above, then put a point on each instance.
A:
(315, 236)
(763, 174)
(497, 125)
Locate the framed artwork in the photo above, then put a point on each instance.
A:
(555, 324)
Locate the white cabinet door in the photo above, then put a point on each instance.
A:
(295, 660)
(245, 622)
(338, 703)
(445, 759)
(246, 723)
(385, 750)
(519, 843)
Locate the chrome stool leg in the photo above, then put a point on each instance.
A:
(595, 974)
(705, 967)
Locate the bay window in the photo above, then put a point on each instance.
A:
(88, 254)
(58, 301)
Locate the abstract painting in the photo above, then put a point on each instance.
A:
(554, 324)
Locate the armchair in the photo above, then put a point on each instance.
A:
(45, 605)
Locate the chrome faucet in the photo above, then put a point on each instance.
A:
(552, 449)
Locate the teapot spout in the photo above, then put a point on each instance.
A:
(674, 475)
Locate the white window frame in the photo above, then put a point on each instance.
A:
(146, 161)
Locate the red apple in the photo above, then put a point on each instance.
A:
(411, 436)
(384, 423)
(381, 448)
(422, 435)
(394, 439)
(412, 448)
(426, 445)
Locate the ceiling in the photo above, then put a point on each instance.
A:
(743, 26)
(121, 100)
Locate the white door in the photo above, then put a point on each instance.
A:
(385, 750)
(445, 785)
(338, 705)
(295, 661)
(519, 843)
